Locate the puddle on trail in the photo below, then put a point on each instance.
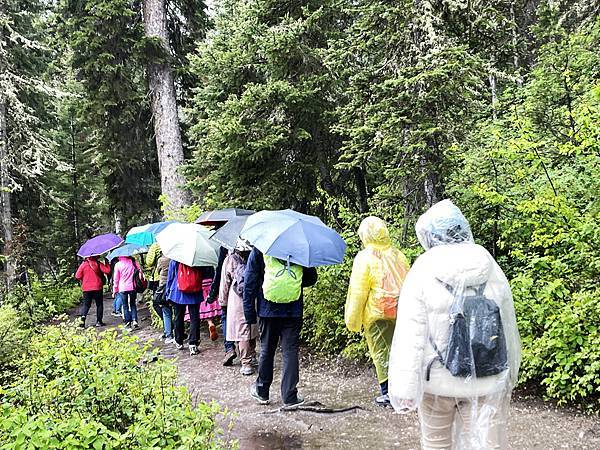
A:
(270, 441)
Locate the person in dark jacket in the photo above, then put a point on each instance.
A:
(212, 296)
(277, 321)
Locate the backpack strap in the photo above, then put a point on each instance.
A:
(479, 289)
(439, 358)
(286, 267)
(447, 286)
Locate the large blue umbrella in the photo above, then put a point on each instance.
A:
(294, 237)
(127, 250)
(99, 245)
(146, 234)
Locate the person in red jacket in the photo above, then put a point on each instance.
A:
(92, 273)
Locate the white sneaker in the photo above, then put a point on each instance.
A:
(169, 341)
(178, 346)
(194, 350)
(134, 324)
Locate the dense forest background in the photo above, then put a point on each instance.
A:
(339, 108)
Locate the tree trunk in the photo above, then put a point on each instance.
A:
(361, 188)
(164, 109)
(118, 216)
(10, 269)
(75, 187)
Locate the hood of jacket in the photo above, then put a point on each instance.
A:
(459, 266)
(443, 224)
(373, 232)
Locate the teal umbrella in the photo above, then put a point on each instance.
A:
(146, 234)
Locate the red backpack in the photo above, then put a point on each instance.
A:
(189, 279)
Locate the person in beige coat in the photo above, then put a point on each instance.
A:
(231, 297)
(456, 351)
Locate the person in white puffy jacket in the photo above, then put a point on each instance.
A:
(457, 410)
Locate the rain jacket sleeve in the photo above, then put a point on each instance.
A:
(152, 257)
(79, 273)
(214, 287)
(358, 292)
(117, 277)
(408, 344)
(309, 277)
(226, 280)
(104, 267)
(252, 284)
(171, 274)
(509, 321)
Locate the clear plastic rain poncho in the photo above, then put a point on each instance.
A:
(456, 349)
(377, 276)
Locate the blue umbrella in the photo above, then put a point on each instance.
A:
(127, 250)
(146, 234)
(295, 237)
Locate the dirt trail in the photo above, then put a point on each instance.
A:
(533, 424)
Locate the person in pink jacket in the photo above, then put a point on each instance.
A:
(92, 273)
(123, 286)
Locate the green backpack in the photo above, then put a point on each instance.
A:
(282, 284)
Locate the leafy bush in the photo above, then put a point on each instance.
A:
(81, 390)
(13, 341)
(41, 299)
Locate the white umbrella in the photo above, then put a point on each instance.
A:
(189, 244)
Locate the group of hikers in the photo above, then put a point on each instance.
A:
(442, 334)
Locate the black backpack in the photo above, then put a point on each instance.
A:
(476, 340)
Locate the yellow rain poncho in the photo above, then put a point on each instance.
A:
(377, 276)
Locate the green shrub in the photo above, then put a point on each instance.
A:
(42, 299)
(81, 390)
(13, 342)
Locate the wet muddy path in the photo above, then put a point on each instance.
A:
(336, 383)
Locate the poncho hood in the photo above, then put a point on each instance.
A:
(373, 232)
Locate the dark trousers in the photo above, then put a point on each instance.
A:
(271, 330)
(158, 298)
(96, 296)
(229, 346)
(179, 311)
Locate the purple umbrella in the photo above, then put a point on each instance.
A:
(99, 245)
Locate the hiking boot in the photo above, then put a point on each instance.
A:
(178, 346)
(194, 350)
(256, 396)
(229, 357)
(212, 329)
(383, 400)
(299, 401)
(247, 370)
(100, 324)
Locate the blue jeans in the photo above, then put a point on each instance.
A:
(229, 346)
(118, 304)
(167, 315)
(129, 306)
